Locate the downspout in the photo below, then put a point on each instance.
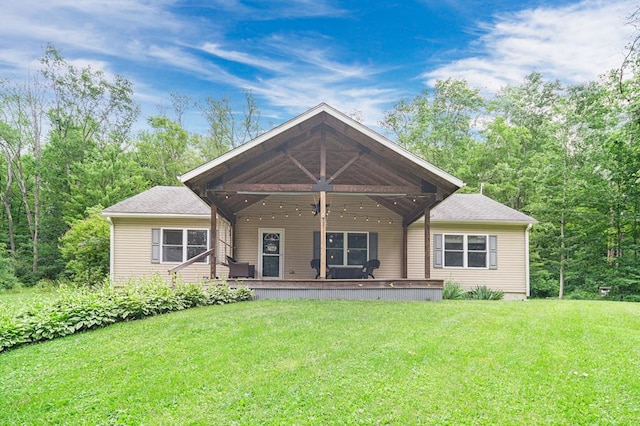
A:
(526, 260)
(111, 248)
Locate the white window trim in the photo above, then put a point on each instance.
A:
(345, 250)
(465, 251)
(184, 245)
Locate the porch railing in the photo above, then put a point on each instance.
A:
(183, 265)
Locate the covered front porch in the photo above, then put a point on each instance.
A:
(321, 187)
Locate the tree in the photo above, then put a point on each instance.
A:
(22, 108)
(85, 248)
(227, 128)
(88, 113)
(165, 153)
(8, 278)
(440, 126)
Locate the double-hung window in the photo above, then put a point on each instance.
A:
(465, 251)
(180, 245)
(347, 248)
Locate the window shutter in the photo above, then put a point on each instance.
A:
(316, 244)
(437, 251)
(493, 252)
(155, 245)
(373, 245)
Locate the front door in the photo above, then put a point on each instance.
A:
(271, 252)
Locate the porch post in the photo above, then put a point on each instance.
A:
(323, 208)
(427, 243)
(323, 235)
(405, 251)
(213, 240)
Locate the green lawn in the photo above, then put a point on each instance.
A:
(339, 362)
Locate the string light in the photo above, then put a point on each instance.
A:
(358, 210)
(285, 215)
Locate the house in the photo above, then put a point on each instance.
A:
(322, 190)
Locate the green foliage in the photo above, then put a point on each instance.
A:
(453, 291)
(85, 248)
(579, 294)
(78, 309)
(485, 293)
(165, 153)
(439, 125)
(8, 278)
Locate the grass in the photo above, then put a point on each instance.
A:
(339, 362)
(12, 301)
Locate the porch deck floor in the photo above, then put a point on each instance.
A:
(349, 289)
(398, 283)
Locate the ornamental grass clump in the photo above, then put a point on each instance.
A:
(79, 309)
(485, 293)
(453, 291)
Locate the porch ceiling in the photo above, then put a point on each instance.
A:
(292, 161)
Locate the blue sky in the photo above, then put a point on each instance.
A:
(359, 56)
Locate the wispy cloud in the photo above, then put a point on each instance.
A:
(573, 44)
(244, 57)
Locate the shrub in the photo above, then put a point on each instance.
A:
(581, 295)
(453, 291)
(85, 248)
(8, 278)
(485, 293)
(78, 309)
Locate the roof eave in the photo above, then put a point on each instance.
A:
(155, 215)
(480, 222)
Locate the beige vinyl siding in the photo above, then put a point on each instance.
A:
(299, 226)
(132, 249)
(511, 274)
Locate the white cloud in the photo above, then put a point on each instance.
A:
(573, 44)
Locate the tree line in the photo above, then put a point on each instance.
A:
(67, 150)
(566, 155)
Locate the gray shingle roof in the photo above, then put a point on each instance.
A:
(476, 208)
(161, 200)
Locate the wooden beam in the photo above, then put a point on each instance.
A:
(213, 241)
(323, 207)
(307, 187)
(405, 251)
(323, 234)
(427, 243)
(345, 167)
(266, 187)
(377, 189)
(222, 209)
(426, 203)
(301, 167)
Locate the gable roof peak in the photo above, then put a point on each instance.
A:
(307, 115)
